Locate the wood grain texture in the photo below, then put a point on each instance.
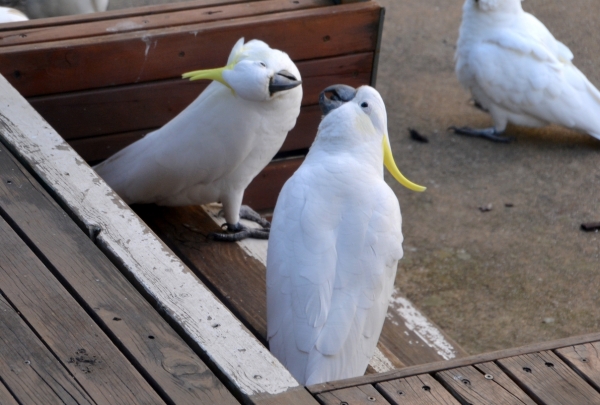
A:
(548, 380)
(31, 371)
(154, 55)
(295, 396)
(66, 329)
(262, 192)
(246, 365)
(483, 384)
(218, 12)
(418, 390)
(585, 359)
(149, 106)
(458, 362)
(361, 395)
(146, 338)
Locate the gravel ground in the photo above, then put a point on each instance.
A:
(522, 271)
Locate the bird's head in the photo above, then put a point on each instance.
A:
(493, 6)
(365, 107)
(255, 72)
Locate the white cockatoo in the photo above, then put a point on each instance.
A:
(56, 8)
(335, 243)
(518, 72)
(8, 14)
(213, 149)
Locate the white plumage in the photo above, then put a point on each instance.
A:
(213, 149)
(334, 246)
(8, 14)
(519, 72)
(55, 8)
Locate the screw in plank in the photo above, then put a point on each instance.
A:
(489, 377)
(426, 388)
(372, 399)
(527, 369)
(548, 364)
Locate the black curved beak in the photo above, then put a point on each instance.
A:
(339, 94)
(282, 81)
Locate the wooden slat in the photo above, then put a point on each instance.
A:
(31, 371)
(418, 390)
(296, 396)
(151, 105)
(56, 67)
(548, 380)
(65, 328)
(263, 191)
(147, 339)
(449, 364)
(242, 361)
(361, 395)
(6, 398)
(483, 384)
(585, 359)
(218, 12)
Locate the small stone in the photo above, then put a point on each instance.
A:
(548, 320)
(486, 208)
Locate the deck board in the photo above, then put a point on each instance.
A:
(585, 360)
(417, 390)
(103, 290)
(31, 371)
(65, 328)
(361, 395)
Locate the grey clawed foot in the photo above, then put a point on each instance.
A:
(239, 232)
(487, 133)
(251, 215)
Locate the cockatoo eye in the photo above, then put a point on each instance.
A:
(365, 104)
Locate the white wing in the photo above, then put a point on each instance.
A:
(530, 74)
(334, 246)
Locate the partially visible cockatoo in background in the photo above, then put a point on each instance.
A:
(8, 14)
(518, 72)
(55, 8)
(335, 243)
(213, 149)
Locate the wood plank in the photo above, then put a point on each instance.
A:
(449, 364)
(585, 359)
(136, 107)
(217, 12)
(154, 55)
(116, 14)
(100, 147)
(418, 390)
(361, 395)
(31, 371)
(5, 396)
(483, 384)
(146, 339)
(295, 396)
(262, 192)
(548, 380)
(245, 364)
(85, 350)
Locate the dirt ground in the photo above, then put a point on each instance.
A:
(523, 271)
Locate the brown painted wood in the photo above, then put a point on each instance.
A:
(263, 191)
(116, 14)
(449, 364)
(296, 396)
(418, 390)
(31, 371)
(65, 328)
(217, 12)
(483, 384)
(151, 105)
(56, 67)
(361, 395)
(585, 359)
(146, 338)
(548, 380)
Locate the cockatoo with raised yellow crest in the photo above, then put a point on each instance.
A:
(335, 243)
(213, 149)
(518, 72)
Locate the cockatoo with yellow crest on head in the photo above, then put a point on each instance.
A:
(335, 243)
(213, 149)
(517, 71)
